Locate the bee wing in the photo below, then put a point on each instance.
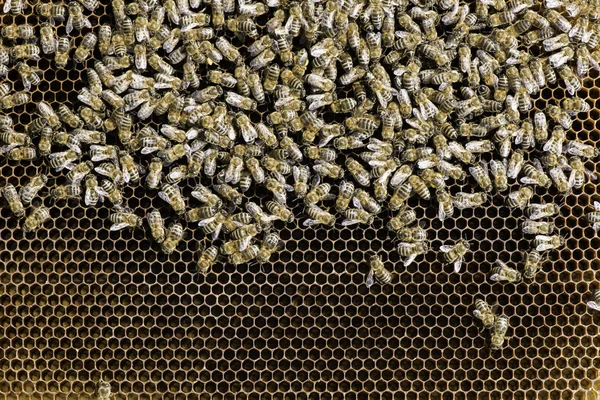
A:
(477, 314)
(529, 181)
(69, 26)
(441, 213)
(126, 175)
(408, 260)
(446, 248)
(369, 281)
(6, 8)
(597, 205)
(593, 305)
(118, 227)
(572, 177)
(150, 150)
(356, 203)
(244, 244)
(458, 264)
(164, 197)
(376, 163)
(215, 234)
(89, 197)
(310, 222)
(495, 277)
(7, 148)
(205, 222)
(348, 222)
(544, 247)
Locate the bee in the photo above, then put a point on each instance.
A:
(378, 270)
(172, 238)
(92, 191)
(412, 234)
(14, 31)
(544, 242)
(268, 247)
(13, 200)
(579, 149)
(535, 176)
(571, 80)
(460, 153)
(530, 227)
(594, 216)
(400, 196)
(539, 211)
(76, 19)
(206, 259)
(85, 48)
(533, 263)
(485, 313)
(80, 171)
(36, 219)
(419, 187)
(559, 179)
(411, 250)
(515, 164)
(357, 216)
(242, 257)
(32, 188)
(455, 254)
(21, 153)
(259, 216)
(172, 196)
(445, 204)
(14, 139)
(520, 198)
(318, 216)
(318, 193)
(499, 329)
(327, 169)
(174, 153)
(360, 174)
(595, 304)
(123, 220)
(502, 272)
(61, 56)
(464, 200)
(64, 192)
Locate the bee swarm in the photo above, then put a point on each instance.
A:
(352, 107)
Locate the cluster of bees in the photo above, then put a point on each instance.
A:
(364, 104)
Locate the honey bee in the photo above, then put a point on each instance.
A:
(61, 56)
(464, 200)
(530, 227)
(242, 257)
(318, 216)
(576, 148)
(412, 234)
(485, 313)
(76, 19)
(594, 216)
(29, 191)
(85, 48)
(64, 192)
(520, 198)
(411, 250)
(455, 254)
(13, 200)
(357, 216)
(539, 211)
(269, 245)
(499, 330)
(123, 220)
(172, 196)
(544, 242)
(502, 272)
(80, 171)
(92, 191)
(360, 174)
(533, 263)
(535, 175)
(172, 238)
(36, 219)
(378, 270)
(206, 259)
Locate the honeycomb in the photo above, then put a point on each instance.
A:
(80, 302)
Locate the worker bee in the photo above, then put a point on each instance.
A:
(242, 257)
(345, 195)
(269, 245)
(32, 188)
(520, 198)
(157, 225)
(76, 19)
(206, 259)
(533, 262)
(455, 254)
(378, 270)
(36, 219)
(576, 148)
(594, 216)
(363, 200)
(80, 171)
(539, 211)
(411, 250)
(85, 48)
(412, 234)
(357, 216)
(123, 220)
(535, 175)
(544, 242)
(172, 238)
(318, 216)
(502, 272)
(236, 100)
(485, 313)
(92, 191)
(360, 174)
(14, 7)
(65, 192)
(172, 195)
(595, 304)
(499, 329)
(14, 139)
(206, 196)
(13, 200)
(530, 227)
(464, 200)
(61, 56)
